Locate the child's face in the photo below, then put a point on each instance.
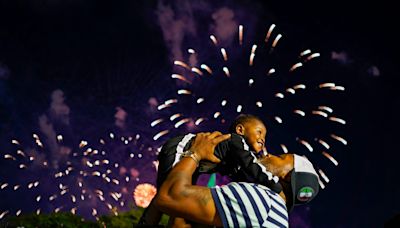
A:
(254, 133)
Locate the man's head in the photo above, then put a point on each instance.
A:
(252, 129)
(297, 176)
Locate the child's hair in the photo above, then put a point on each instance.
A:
(242, 119)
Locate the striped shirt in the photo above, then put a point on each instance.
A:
(242, 204)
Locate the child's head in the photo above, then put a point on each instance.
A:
(252, 129)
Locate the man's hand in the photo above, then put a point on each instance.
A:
(204, 145)
(178, 197)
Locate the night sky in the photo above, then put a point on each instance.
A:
(84, 69)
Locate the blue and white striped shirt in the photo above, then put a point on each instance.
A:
(242, 204)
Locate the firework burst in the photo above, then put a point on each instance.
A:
(257, 77)
(89, 179)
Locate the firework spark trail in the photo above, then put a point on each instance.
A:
(210, 100)
(224, 55)
(197, 71)
(84, 169)
(240, 34)
(180, 77)
(284, 148)
(252, 55)
(324, 144)
(332, 159)
(214, 40)
(271, 28)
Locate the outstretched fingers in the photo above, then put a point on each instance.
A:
(215, 134)
(205, 143)
(221, 138)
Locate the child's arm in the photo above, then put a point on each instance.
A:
(248, 165)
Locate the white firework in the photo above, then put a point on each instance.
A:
(248, 77)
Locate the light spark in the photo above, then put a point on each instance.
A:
(335, 119)
(59, 138)
(271, 71)
(321, 184)
(326, 179)
(3, 214)
(314, 55)
(306, 144)
(323, 143)
(290, 90)
(180, 77)
(321, 113)
(295, 66)
(3, 186)
(197, 71)
(207, 68)
(300, 112)
(184, 91)
(214, 40)
(198, 121)
(278, 119)
(9, 156)
(305, 52)
(278, 37)
(340, 88)
(340, 139)
(240, 34)
(162, 106)
(325, 108)
(161, 133)
(299, 86)
(284, 148)
(173, 117)
(226, 71)
(327, 85)
(182, 64)
(333, 160)
(224, 55)
(155, 122)
(200, 100)
(271, 28)
(251, 81)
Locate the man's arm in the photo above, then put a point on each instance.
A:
(178, 197)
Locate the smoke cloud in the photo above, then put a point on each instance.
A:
(224, 27)
(59, 111)
(120, 118)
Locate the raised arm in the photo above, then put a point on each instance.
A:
(178, 197)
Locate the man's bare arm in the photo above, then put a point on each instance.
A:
(178, 197)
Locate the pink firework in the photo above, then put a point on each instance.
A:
(143, 194)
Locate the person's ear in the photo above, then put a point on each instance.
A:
(240, 129)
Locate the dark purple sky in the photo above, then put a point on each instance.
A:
(104, 54)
